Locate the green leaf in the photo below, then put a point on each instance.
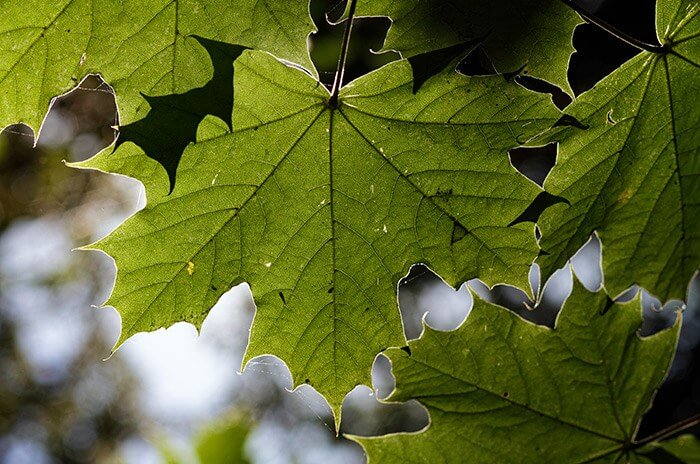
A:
(223, 443)
(516, 32)
(634, 174)
(500, 389)
(137, 46)
(684, 449)
(172, 122)
(323, 210)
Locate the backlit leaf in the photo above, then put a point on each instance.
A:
(323, 210)
(500, 389)
(633, 175)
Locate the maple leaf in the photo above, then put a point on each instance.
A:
(630, 167)
(323, 209)
(501, 389)
(136, 46)
(515, 34)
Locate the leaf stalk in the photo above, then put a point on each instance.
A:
(340, 71)
(612, 30)
(668, 431)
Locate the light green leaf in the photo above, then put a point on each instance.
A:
(323, 210)
(137, 46)
(517, 32)
(634, 174)
(500, 389)
(223, 443)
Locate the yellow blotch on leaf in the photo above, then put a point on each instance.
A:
(625, 196)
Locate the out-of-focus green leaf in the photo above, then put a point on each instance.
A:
(223, 444)
(220, 443)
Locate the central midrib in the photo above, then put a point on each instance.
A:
(333, 247)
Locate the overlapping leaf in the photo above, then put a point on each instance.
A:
(323, 210)
(139, 47)
(684, 449)
(634, 174)
(516, 33)
(500, 389)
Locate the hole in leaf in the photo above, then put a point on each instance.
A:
(609, 118)
(560, 98)
(628, 294)
(599, 53)
(535, 163)
(552, 295)
(656, 316)
(587, 264)
(421, 292)
(383, 381)
(363, 415)
(83, 118)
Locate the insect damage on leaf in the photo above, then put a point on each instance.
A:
(500, 389)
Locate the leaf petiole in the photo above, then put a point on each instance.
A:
(612, 30)
(668, 431)
(340, 72)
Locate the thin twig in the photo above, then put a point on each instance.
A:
(668, 431)
(612, 30)
(340, 72)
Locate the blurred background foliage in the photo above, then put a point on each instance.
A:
(175, 396)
